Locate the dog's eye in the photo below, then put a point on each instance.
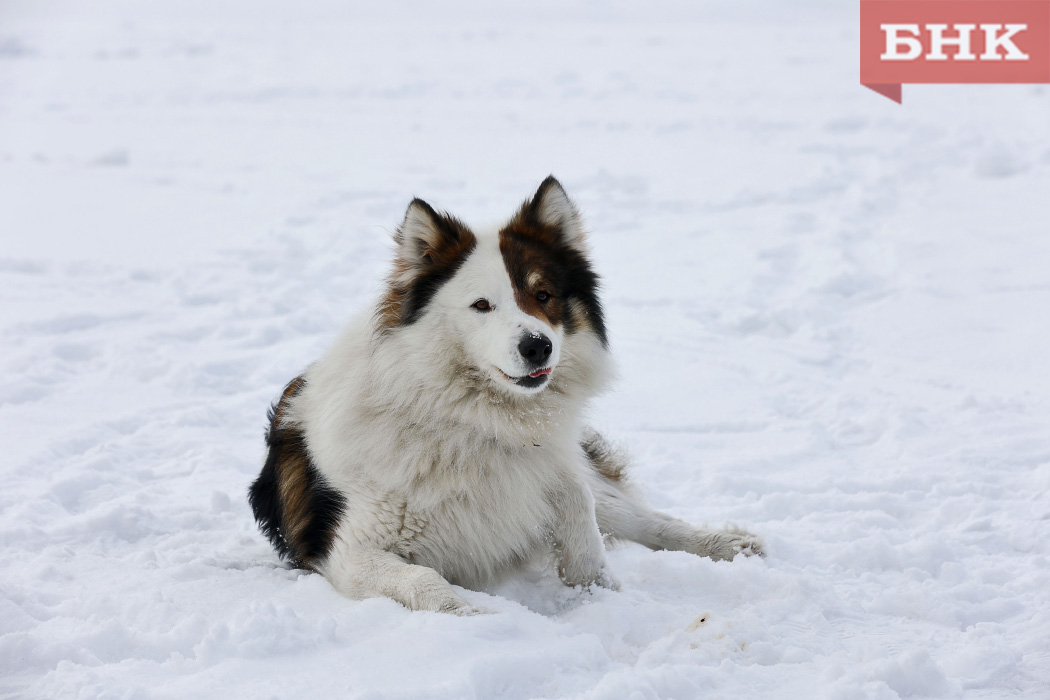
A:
(543, 297)
(482, 305)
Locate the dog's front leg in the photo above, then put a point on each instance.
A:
(364, 573)
(577, 541)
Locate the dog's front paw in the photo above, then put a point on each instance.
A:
(602, 580)
(441, 599)
(588, 577)
(466, 610)
(726, 544)
(455, 606)
(606, 581)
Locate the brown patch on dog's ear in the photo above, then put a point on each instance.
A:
(551, 208)
(427, 237)
(431, 245)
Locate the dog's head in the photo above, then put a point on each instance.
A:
(512, 303)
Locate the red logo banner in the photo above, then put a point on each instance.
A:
(953, 41)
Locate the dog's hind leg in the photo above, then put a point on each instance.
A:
(371, 573)
(622, 513)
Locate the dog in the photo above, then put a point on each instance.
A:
(440, 441)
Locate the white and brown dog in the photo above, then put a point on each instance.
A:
(440, 439)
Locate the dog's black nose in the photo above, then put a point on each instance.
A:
(536, 349)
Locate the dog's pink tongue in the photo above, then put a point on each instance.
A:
(540, 373)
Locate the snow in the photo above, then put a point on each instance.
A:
(830, 313)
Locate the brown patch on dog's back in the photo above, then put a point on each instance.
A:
(289, 393)
(294, 506)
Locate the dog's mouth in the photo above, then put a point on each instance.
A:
(530, 381)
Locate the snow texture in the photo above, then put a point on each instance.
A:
(830, 313)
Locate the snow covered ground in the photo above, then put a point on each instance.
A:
(831, 312)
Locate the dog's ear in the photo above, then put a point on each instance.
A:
(552, 208)
(423, 232)
(430, 246)
(428, 238)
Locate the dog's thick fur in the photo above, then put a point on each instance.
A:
(440, 439)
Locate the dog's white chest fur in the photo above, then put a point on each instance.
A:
(468, 500)
(471, 529)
